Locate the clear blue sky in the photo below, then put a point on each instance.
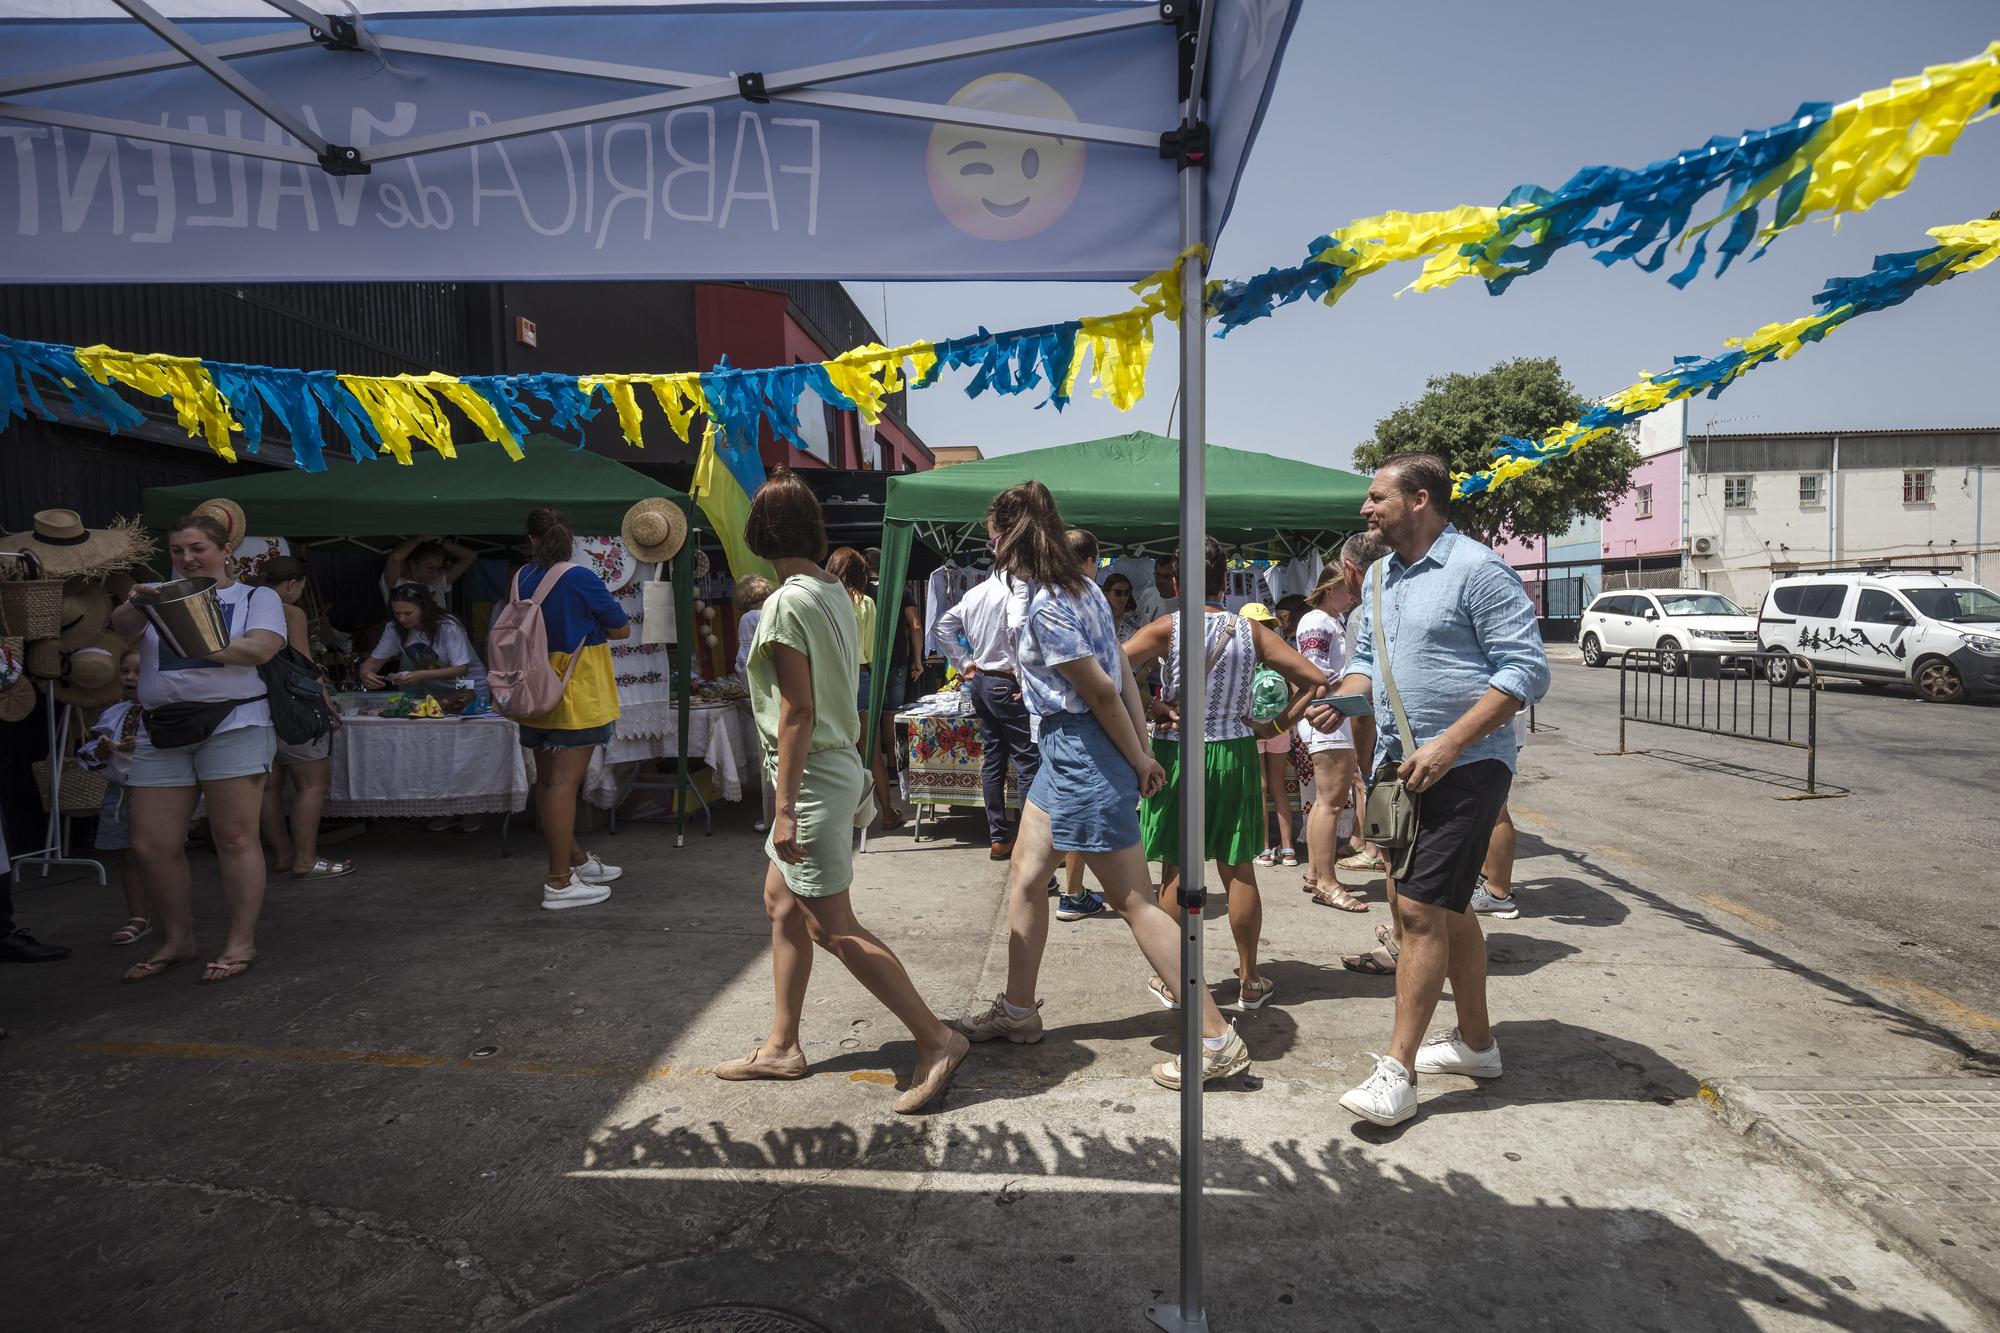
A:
(1428, 106)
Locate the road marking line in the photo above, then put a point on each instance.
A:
(1922, 996)
(1736, 909)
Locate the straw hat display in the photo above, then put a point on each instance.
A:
(654, 529)
(229, 514)
(17, 692)
(90, 673)
(66, 549)
(86, 609)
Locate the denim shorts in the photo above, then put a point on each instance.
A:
(565, 738)
(114, 827)
(237, 753)
(1085, 786)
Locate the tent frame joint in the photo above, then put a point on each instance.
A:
(338, 34)
(1186, 146)
(342, 160)
(750, 87)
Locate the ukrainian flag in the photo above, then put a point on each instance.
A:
(725, 478)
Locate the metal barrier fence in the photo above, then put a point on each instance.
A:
(1717, 694)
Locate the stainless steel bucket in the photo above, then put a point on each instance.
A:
(188, 615)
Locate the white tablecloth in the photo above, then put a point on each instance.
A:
(719, 735)
(401, 767)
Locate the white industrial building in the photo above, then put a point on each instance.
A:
(1759, 506)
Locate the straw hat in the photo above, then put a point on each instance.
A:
(229, 514)
(90, 679)
(65, 548)
(86, 610)
(1257, 611)
(654, 529)
(45, 659)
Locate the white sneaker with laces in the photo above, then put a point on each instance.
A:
(1387, 1096)
(575, 893)
(594, 871)
(1447, 1053)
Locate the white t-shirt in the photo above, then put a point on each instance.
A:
(120, 722)
(165, 677)
(746, 634)
(420, 652)
(1323, 642)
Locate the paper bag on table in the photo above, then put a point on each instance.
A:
(656, 613)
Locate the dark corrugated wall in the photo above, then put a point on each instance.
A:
(376, 328)
(44, 465)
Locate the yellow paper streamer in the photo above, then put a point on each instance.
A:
(198, 404)
(1120, 347)
(1871, 147)
(1367, 245)
(404, 407)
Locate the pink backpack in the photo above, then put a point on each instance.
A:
(518, 674)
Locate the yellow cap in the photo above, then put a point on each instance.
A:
(1257, 611)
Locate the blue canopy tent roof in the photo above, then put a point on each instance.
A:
(299, 140)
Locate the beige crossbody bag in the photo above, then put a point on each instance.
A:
(1390, 817)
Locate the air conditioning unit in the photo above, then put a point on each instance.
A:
(1702, 546)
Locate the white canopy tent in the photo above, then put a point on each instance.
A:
(279, 140)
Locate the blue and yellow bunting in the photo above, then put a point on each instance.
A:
(1893, 280)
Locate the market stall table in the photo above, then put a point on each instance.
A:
(942, 755)
(720, 734)
(420, 768)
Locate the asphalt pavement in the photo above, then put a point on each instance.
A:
(1894, 886)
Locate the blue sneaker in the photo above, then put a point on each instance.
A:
(1079, 907)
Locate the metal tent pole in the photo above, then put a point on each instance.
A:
(1188, 1316)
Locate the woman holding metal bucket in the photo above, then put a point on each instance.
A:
(208, 735)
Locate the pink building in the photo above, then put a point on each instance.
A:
(1646, 523)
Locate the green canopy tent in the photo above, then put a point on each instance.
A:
(481, 493)
(1125, 490)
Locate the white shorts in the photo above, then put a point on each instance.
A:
(1318, 742)
(239, 752)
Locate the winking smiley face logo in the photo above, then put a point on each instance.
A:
(999, 185)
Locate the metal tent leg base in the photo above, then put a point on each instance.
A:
(1172, 1318)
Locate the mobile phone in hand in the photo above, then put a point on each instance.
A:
(1351, 705)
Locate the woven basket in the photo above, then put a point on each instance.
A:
(82, 791)
(31, 608)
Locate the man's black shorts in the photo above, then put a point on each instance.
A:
(1455, 821)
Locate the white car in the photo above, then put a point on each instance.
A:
(1670, 621)
(1922, 628)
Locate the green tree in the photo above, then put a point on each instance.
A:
(1461, 417)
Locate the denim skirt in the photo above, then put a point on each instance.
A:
(1085, 786)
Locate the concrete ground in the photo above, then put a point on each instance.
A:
(433, 1105)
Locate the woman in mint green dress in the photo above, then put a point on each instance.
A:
(802, 669)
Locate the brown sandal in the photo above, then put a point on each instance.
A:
(1369, 964)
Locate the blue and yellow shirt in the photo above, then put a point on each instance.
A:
(578, 610)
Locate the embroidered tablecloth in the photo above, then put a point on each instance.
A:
(392, 767)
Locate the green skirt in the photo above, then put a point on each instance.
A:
(1233, 809)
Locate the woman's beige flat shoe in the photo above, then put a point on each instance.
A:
(921, 1095)
(754, 1065)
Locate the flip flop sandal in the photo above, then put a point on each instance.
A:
(1340, 899)
(1368, 964)
(325, 869)
(136, 928)
(151, 968)
(220, 970)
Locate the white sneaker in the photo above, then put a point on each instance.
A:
(576, 893)
(1387, 1097)
(594, 871)
(1447, 1053)
(1485, 904)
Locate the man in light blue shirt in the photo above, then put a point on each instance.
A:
(1466, 655)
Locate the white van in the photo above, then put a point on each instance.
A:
(1922, 628)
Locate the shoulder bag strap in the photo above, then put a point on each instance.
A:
(1228, 633)
(1403, 732)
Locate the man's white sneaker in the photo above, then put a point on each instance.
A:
(594, 871)
(1387, 1097)
(575, 893)
(1447, 1053)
